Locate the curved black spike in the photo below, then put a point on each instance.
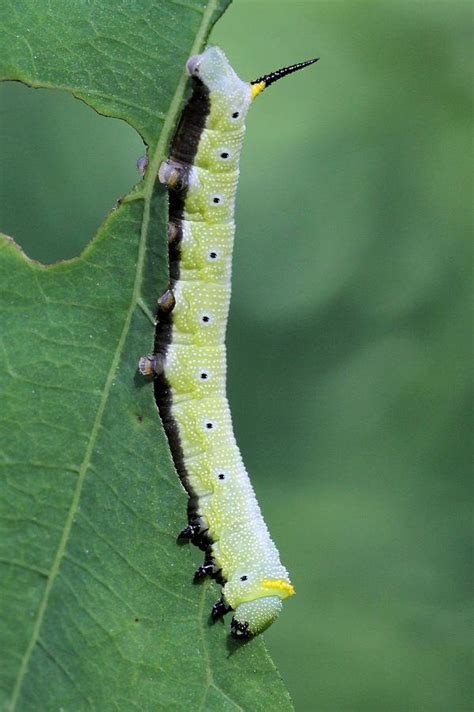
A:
(274, 76)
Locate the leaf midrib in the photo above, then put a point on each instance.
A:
(146, 195)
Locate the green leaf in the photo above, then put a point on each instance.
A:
(99, 611)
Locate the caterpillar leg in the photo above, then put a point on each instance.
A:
(167, 302)
(192, 533)
(219, 610)
(196, 531)
(174, 175)
(175, 233)
(203, 571)
(208, 568)
(188, 533)
(151, 365)
(240, 631)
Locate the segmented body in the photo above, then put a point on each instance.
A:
(190, 360)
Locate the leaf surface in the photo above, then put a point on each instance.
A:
(99, 611)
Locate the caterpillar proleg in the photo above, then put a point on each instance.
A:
(189, 362)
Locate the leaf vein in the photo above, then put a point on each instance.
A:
(142, 574)
(61, 667)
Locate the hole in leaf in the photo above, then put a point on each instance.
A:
(63, 169)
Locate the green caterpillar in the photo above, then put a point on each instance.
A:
(189, 363)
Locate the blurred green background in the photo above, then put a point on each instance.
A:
(349, 341)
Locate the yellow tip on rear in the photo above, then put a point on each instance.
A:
(257, 89)
(280, 585)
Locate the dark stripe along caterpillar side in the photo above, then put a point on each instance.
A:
(189, 362)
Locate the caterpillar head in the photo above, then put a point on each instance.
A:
(261, 603)
(253, 617)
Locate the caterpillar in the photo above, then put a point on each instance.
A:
(189, 360)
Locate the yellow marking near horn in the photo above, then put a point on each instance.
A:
(279, 585)
(257, 89)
